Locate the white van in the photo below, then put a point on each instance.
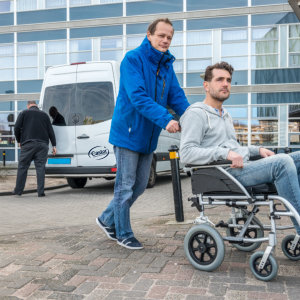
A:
(84, 94)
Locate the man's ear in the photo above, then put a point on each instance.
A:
(148, 34)
(205, 85)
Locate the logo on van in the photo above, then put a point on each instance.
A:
(98, 152)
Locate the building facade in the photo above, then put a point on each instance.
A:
(260, 38)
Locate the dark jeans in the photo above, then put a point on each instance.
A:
(37, 152)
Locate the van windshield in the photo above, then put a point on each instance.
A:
(79, 104)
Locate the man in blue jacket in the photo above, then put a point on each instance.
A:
(147, 85)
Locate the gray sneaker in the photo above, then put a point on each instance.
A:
(109, 231)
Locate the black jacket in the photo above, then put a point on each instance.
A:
(59, 120)
(34, 125)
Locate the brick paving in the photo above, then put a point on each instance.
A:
(79, 262)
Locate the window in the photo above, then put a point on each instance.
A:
(153, 7)
(239, 115)
(93, 103)
(55, 3)
(264, 125)
(294, 125)
(96, 11)
(6, 62)
(111, 49)
(6, 6)
(55, 53)
(24, 5)
(79, 2)
(234, 48)
(7, 120)
(80, 50)
(294, 45)
(199, 54)
(134, 41)
(27, 61)
(264, 48)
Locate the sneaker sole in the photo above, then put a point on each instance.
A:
(128, 247)
(104, 230)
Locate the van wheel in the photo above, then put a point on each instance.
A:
(77, 183)
(152, 177)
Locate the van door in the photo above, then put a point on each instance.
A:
(94, 106)
(61, 97)
(94, 103)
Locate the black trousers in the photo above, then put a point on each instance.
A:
(32, 151)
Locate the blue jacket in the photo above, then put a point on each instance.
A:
(147, 85)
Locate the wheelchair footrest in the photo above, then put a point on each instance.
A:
(232, 239)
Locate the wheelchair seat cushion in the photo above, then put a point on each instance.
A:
(265, 189)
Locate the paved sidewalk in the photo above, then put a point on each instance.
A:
(8, 180)
(79, 262)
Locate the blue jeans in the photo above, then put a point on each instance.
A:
(282, 169)
(133, 170)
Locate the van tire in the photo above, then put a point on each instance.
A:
(77, 182)
(152, 176)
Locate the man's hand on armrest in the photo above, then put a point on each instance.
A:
(265, 152)
(237, 160)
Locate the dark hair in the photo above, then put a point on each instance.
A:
(152, 26)
(221, 65)
(53, 111)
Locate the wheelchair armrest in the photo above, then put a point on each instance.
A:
(257, 157)
(220, 162)
(214, 163)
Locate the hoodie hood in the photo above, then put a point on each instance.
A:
(208, 110)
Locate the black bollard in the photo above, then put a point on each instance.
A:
(176, 182)
(3, 155)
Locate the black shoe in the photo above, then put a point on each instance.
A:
(109, 231)
(16, 194)
(42, 195)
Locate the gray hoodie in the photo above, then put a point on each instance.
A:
(207, 137)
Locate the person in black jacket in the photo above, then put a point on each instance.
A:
(33, 130)
(58, 119)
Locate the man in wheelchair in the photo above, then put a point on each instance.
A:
(208, 135)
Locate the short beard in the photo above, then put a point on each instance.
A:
(214, 96)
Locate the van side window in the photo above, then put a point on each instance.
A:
(82, 103)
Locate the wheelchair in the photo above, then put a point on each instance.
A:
(204, 247)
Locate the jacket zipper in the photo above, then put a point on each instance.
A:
(164, 84)
(157, 72)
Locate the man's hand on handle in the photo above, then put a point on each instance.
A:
(173, 126)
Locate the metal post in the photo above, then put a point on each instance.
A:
(3, 155)
(287, 150)
(176, 182)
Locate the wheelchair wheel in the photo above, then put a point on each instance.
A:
(270, 269)
(250, 233)
(286, 248)
(204, 247)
